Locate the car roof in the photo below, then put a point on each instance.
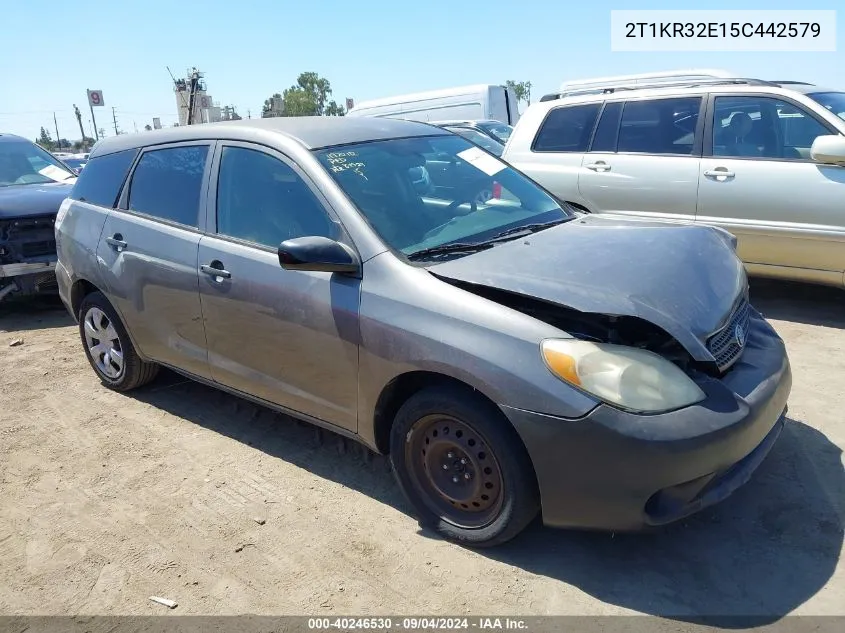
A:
(12, 138)
(310, 132)
(466, 122)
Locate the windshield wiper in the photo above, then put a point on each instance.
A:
(525, 228)
(454, 247)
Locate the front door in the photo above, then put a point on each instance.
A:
(288, 337)
(758, 181)
(148, 256)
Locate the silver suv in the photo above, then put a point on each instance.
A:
(764, 160)
(508, 353)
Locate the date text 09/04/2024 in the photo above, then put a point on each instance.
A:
(415, 623)
(722, 29)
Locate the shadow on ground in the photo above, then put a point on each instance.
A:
(33, 313)
(762, 553)
(799, 303)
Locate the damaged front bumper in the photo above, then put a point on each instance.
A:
(27, 278)
(615, 470)
(27, 256)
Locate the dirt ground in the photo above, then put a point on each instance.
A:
(183, 492)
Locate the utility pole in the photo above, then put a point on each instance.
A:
(94, 122)
(57, 131)
(79, 118)
(195, 78)
(249, 114)
(114, 118)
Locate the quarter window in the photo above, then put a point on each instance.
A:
(263, 200)
(659, 126)
(166, 183)
(567, 129)
(101, 180)
(763, 127)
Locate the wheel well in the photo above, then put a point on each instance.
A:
(397, 392)
(78, 292)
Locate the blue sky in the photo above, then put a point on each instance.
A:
(367, 49)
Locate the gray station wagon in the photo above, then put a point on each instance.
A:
(512, 355)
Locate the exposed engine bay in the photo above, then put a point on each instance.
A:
(27, 253)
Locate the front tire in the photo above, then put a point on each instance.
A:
(108, 347)
(463, 467)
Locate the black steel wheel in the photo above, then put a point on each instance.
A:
(463, 467)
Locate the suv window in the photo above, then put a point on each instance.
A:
(101, 180)
(659, 126)
(166, 183)
(567, 129)
(263, 200)
(607, 132)
(763, 127)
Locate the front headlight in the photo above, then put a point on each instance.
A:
(631, 378)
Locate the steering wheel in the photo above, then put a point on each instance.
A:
(473, 204)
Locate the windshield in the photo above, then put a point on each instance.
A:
(500, 131)
(478, 138)
(24, 163)
(833, 101)
(424, 192)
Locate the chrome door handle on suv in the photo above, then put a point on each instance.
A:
(599, 165)
(116, 242)
(719, 172)
(215, 269)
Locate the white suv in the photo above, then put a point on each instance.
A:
(764, 160)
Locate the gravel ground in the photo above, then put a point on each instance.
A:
(184, 492)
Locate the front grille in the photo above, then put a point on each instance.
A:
(726, 344)
(39, 248)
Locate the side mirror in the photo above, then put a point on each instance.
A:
(318, 254)
(829, 149)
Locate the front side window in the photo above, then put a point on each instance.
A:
(833, 101)
(101, 180)
(763, 127)
(263, 200)
(24, 163)
(659, 126)
(567, 129)
(426, 192)
(166, 183)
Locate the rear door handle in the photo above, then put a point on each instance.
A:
(116, 242)
(599, 165)
(719, 172)
(215, 269)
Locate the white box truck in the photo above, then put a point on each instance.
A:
(470, 103)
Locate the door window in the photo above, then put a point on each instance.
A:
(567, 129)
(166, 184)
(763, 127)
(608, 129)
(263, 200)
(659, 126)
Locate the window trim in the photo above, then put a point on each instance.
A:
(697, 143)
(209, 226)
(123, 198)
(533, 147)
(711, 111)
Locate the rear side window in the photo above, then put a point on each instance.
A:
(101, 180)
(166, 183)
(567, 129)
(659, 126)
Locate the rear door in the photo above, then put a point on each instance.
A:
(148, 254)
(644, 159)
(758, 181)
(289, 337)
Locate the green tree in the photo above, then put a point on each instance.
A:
(522, 90)
(45, 140)
(333, 109)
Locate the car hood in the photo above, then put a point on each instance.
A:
(683, 278)
(24, 201)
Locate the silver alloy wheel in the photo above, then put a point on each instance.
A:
(103, 344)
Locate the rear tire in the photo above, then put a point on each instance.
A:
(463, 467)
(108, 347)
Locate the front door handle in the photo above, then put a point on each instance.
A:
(215, 269)
(599, 165)
(116, 242)
(719, 172)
